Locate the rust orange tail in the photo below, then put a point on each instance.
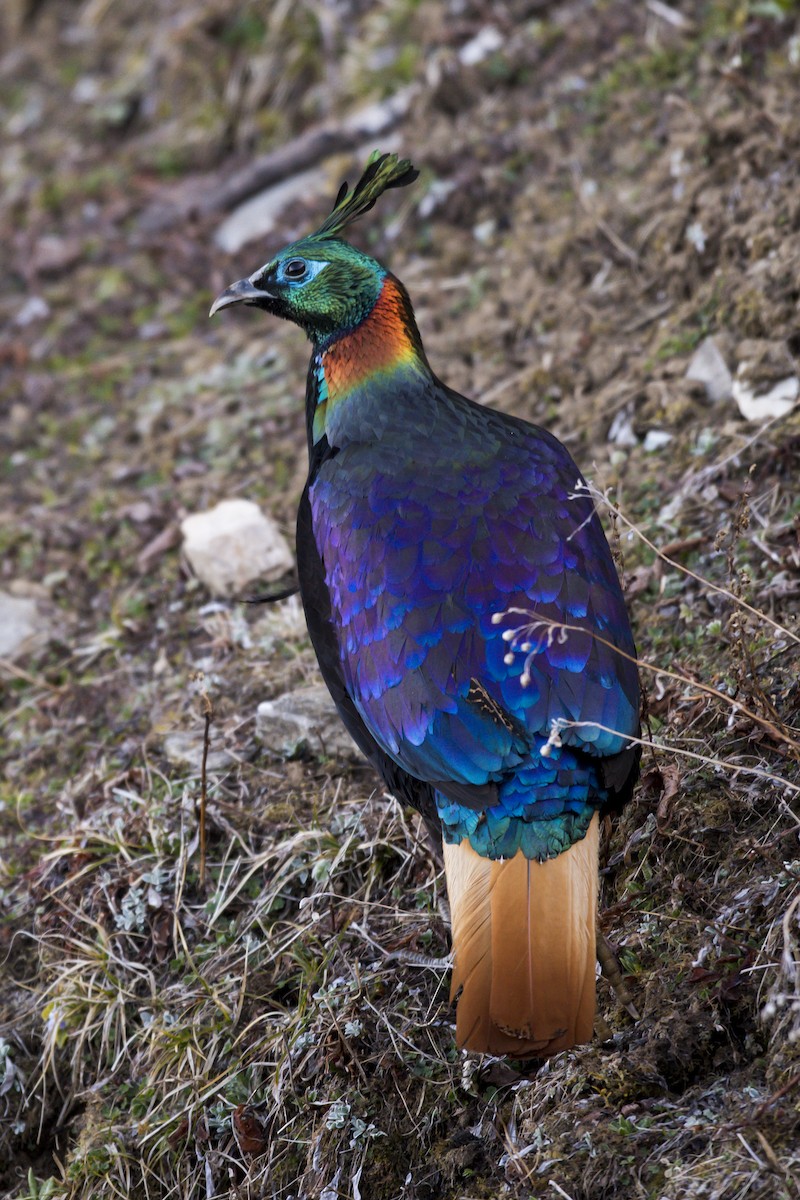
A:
(524, 948)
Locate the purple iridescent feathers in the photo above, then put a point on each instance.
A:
(475, 602)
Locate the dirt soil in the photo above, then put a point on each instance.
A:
(604, 186)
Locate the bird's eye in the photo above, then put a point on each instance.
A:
(296, 268)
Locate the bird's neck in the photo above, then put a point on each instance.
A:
(382, 353)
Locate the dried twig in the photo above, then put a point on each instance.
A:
(610, 968)
(714, 587)
(207, 709)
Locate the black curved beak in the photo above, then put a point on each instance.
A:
(241, 292)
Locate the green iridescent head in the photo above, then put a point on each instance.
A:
(322, 283)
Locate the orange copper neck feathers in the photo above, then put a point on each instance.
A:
(386, 339)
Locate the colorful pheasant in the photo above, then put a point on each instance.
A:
(465, 610)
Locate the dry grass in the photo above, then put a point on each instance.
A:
(164, 1008)
(287, 1026)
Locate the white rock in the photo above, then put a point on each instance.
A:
(621, 431)
(87, 89)
(669, 512)
(777, 402)
(305, 719)
(381, 115)
(484, 231)
(437, 193)
(485, 42)
(22, 626)
(234, 544)
(697, 236)
(709, 368)
(35, 308)
(656, 439)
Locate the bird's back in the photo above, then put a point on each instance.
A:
(450, 541)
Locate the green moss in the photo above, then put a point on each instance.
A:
(683, 342)
(657, 71)
(244, 31)
(172, 161)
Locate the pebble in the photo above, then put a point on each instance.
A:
(22, 626)
(184, 748)
(305, 720)
(232, 545)
(778, 401)
(709, 368)
(34, 309)
(656, 439)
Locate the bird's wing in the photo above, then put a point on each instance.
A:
(317, 604)
(474, 602)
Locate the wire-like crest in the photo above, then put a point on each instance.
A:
(383, 171)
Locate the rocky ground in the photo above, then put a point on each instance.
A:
(605, 239)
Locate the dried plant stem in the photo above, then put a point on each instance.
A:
(733, 768)
(208, 713)
(611, 970)
(778, 732)
(671, 562)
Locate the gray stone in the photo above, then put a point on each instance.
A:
(305, 720)
(35, 308)
(485, 42)
(621, 431)
(709, 368)
(232, 545)
(184, 748)
(656, 439)
(23, 627)
(766, 385)
(777, 401)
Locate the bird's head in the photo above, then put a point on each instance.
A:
(322, 283)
